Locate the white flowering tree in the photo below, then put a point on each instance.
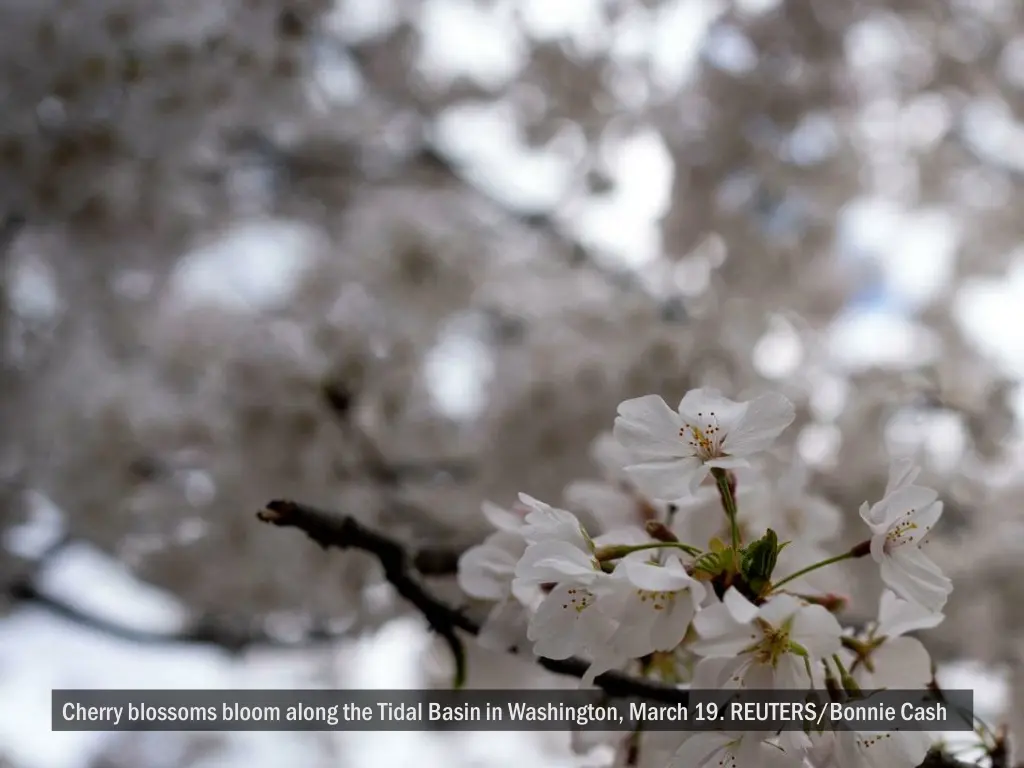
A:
(393, 259)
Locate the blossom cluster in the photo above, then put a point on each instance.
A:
(660, 583)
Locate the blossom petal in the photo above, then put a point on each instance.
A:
(648, 428)
(902, 472)
(897, 616)
(779, 609)
(817, 630)
(671, 577)
(501, 518)
(555, 561)
(910, 574)
(486, 570)
(901, 663)
(703, 749)
(504, 628)
(668, 480)
(764, 419)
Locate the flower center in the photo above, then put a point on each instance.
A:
(579, 600)
(705, 437)
(658, 601)
(901, 533)
(772, 646)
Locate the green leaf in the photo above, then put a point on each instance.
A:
(759, 559)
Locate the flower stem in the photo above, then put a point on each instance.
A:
(860, 550)
(615, 552)
(729, 504)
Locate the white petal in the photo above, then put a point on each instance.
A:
(648, 429)
(901, 663)
(902, 472)
(501, 518)
(555, 561)
(779, 608)
(708, 406)
(668, 480)
(671, 626)
(657, 578)
(817, 630)
(504, 628)
(764, 419)
(486, 571)
(897, 616)
(902, 501)
(741, 609)
(703, 749)
(720, 634)
(910, 574)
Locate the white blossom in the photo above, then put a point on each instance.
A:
(673, 451)
(898, 523)
(487, 572)
(651, 605)
(761, 647)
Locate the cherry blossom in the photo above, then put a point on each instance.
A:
(898, 523)
(652, 606)
(761, 647)
(673, 451)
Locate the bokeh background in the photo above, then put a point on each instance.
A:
(396, 257)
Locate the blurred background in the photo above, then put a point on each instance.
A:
(396, 257)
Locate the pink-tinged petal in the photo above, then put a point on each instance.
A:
(668, 480)
(817, 630)
(897, 616)
(648, 429)
(501, 518)
(765, 418)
